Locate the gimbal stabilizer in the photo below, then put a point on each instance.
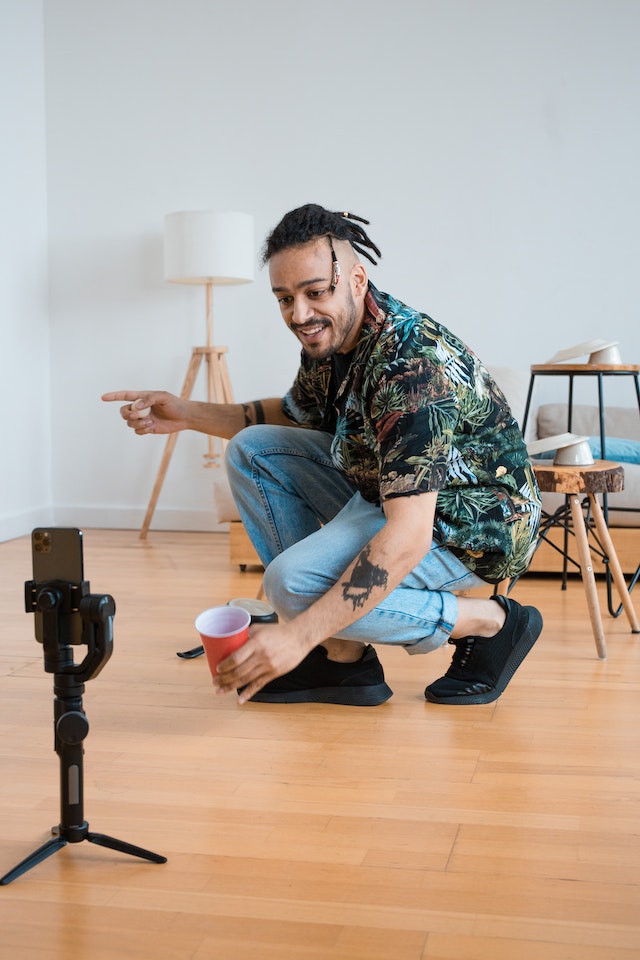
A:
(56, 600)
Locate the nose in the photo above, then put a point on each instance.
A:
(301, 311)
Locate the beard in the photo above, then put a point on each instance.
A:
(342, 327)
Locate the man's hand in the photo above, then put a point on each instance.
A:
(271, 651)
(151, 411)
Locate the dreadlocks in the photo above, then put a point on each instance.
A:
(313, 221)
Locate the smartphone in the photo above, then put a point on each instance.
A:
(56, 554)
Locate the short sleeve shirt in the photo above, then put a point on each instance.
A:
(417, 412)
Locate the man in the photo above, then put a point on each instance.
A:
(391, 475)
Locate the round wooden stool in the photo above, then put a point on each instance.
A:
(603, 476)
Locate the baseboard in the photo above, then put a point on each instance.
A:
(107, 518)
(20, 524)
(626, 541)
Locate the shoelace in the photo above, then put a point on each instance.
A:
(460, 659)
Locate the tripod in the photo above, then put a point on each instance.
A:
(55, 600)
(218, 391)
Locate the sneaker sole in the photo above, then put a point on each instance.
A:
(369, 696)
(519, 652)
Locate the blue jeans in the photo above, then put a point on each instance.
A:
(308, 523)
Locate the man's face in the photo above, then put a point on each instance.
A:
(325, 321)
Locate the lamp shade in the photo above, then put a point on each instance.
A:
(203, 246)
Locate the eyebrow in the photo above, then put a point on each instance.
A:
(301, 285)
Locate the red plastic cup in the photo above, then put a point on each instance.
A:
(222, 630)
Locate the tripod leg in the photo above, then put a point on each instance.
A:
(103, 841)
(185, 393)
(46, 850)
(218, 391)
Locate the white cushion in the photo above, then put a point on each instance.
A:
(224, 507)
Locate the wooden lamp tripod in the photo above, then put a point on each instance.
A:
(202, 247)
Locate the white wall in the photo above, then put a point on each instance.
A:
(25, 465)
(493, 144)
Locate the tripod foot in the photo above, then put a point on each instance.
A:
(103, 841)
(59, 841)
(46, 850)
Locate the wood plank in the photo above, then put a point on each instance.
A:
(404, 832)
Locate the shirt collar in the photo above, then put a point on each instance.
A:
(375, 314)
(372, 324)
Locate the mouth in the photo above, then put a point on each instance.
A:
(310, 332)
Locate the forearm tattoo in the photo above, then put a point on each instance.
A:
(364, 577)
(258, 413)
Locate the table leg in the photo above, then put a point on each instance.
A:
(614, 563)
(588, 577)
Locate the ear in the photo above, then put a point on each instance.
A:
(359, 280)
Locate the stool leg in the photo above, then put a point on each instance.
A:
(588, 578)
(614, 563)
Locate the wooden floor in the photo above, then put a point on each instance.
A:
(305, 832)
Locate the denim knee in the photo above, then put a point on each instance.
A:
(286, 587)
(241, 446)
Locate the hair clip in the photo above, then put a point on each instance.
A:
(335, 265)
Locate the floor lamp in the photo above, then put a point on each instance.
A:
(208, 249)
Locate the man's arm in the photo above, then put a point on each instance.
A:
(153, 411)
(381, 565)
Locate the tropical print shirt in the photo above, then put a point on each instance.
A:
(417, 412)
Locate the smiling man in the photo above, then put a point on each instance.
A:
(389, 478)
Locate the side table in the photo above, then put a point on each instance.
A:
(603, 477)
(599, 371)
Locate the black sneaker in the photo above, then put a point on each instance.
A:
(320, 680)
(482, 667)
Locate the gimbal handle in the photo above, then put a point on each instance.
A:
(97, 612)
(55, 599)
